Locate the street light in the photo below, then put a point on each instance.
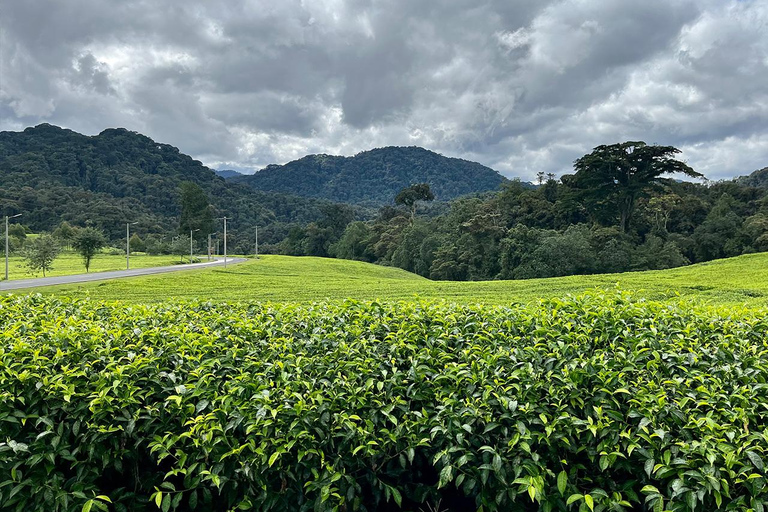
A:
(6, 242)
(128, 244)
(190, 242)
(225, 239)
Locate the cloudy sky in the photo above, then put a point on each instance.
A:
(519, 85)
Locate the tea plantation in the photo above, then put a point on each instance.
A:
(591, 403)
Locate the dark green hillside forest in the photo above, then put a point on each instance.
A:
(53, 175)
(375, 177)
(566, 226)
(618, 209)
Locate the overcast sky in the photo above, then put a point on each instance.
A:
(519, 85)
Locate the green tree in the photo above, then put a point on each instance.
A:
(64, 233)
(180, 246)
(137, 244)
(39, 253)
(87, 242)
(611, 178)
(195, 210)
(410, 196)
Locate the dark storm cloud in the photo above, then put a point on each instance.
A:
(520, 85)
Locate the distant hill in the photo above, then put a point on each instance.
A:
(374, 176)
(227, 173)
(51, 174)
(758, 179)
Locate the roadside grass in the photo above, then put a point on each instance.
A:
(69, 263)
(740, 280)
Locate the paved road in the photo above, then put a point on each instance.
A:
(19, 284)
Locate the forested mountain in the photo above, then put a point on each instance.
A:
(228, 173)
(52, 174)
(758, 178)
(375, 176)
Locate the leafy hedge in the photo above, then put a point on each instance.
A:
(591, 403)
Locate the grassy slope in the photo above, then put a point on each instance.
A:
(741, 280)
(70, 263)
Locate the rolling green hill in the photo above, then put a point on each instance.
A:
(740, 280)
(374, 176)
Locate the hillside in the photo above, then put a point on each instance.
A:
(227, 173)
(739, 280)
(758, 178)
(374, 176)
(52, 174)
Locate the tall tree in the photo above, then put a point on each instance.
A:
(410, 196)
(195, 210)
(611, 178)
(87, 242)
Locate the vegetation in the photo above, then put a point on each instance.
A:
(593, 403)
(564, 227)
(88, 242)
(69, 262)
(410, 196)
(616, 213)
(52, 175)
(611, 178)
(196, 216)
(40, 254)
(374, 177)
(742, 280)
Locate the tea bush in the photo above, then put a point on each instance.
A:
(592, 403)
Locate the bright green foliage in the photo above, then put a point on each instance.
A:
(283, 278)
(592, 404)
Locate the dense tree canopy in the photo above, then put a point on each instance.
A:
(611, 178)
(375, 177)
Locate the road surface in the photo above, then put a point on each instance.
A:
(19, 284)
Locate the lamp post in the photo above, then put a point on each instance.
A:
(225, 239)
(128, 244)
(7, 246)
(190, 243)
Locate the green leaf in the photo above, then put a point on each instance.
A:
(589, 501)
(756, 460)
(87, 506)
(573, 498)
(562, 482)
(273, 458)
(396, 495)
(445, 476)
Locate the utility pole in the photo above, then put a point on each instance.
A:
(7, 245)
(209, 246)
(257, 242)
(225, 239)
(128, 244)
(190, 243)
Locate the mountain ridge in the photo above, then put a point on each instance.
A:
(375, 176)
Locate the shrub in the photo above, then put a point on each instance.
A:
(592, 403)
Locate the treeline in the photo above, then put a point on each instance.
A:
(565, 226)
